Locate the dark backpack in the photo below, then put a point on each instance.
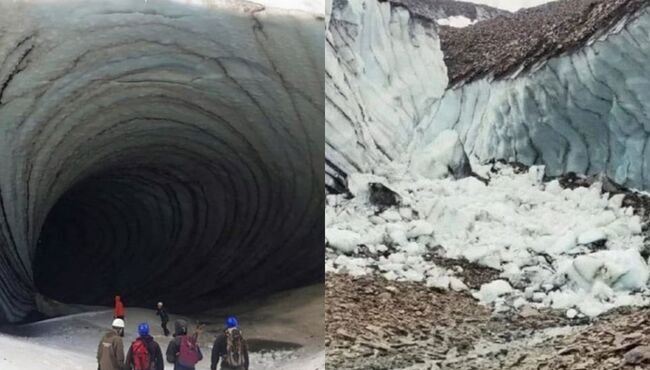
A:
(234, 356)
(141, 356)
(189, 351)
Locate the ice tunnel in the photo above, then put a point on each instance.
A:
(160, 150)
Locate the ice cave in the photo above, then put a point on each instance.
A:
(163, 150)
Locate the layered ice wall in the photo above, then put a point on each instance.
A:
(158, 150)
(582, 110)
(384, 70)
(585, 111)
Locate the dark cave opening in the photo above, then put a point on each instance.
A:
(127, 231)
(174, 230)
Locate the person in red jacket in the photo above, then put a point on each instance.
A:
(119, 308)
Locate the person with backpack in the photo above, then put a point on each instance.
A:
(110, 352)
(119, 308)
(183, 351)
(144, 353)
(164, 318)
(230, 347)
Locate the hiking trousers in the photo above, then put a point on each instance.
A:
(164, 327)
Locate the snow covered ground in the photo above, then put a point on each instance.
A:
(24, 354)
(70, 342)
(577, 250)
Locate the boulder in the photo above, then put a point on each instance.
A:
(637, 355)
(382, 196)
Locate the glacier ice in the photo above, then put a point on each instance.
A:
(582, 111)
(491, 291)
(531, 232)
(384, 69)
(585, 111)
(445, 156)
(142, 139)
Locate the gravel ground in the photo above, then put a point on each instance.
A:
(372, 323)
(375, 324)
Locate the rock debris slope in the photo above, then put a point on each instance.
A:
(158, 149)
(441, 9)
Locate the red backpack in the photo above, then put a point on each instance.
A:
(189, 351)
(141, 357)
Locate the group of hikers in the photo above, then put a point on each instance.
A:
(184, 351)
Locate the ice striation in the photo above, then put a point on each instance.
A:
(575, 104)
(384, 70)
(162, 150)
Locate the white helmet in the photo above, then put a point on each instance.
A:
(118, 323)
(160, 304)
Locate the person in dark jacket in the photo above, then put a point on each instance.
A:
(155, 354)
(174, 347)
(164, 318)
(220, 348)
(110, 352)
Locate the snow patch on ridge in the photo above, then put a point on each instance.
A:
(458, 21)
(510, 5)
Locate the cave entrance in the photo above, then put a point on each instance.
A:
(129, 231)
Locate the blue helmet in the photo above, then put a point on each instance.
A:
(231, 322)
(143, 329)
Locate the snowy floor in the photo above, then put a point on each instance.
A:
(577, 250)
(70, 342)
